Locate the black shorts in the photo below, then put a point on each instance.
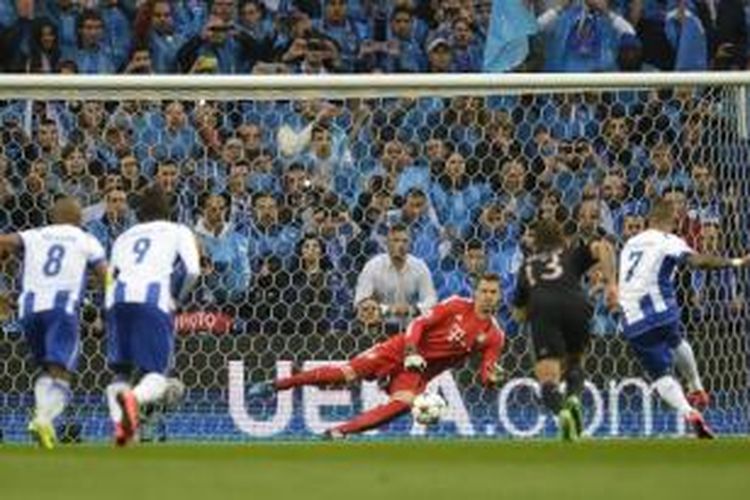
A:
(559, 325)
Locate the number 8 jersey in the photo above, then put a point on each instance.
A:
(646, 290)
(55, 264)
(148, 262)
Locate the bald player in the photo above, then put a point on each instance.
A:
(56, 260)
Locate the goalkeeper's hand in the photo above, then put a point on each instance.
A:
(496, 376)
(413, 360)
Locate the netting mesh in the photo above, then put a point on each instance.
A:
(290, 198)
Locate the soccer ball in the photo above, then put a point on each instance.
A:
(428, 408)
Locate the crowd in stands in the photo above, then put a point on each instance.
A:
(304, 207)
(363, 36)
(308, 210)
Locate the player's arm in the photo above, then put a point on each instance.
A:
(490, 370)
(521, 295)
(604, 254)
(187, 249)
(704, 261)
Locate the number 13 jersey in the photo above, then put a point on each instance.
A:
(646, 289)
(555, 272)
(148, 263)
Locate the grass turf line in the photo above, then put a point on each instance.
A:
(609, 470)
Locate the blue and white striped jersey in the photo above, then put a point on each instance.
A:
(144, 263)
(55, 264)
(647, 290)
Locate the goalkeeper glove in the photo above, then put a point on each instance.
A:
(413, 360)
(496, 375)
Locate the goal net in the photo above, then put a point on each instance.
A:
(291, 183)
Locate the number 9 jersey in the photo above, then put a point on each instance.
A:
(153, 263)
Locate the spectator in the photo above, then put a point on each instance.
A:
(400, 282)
(74, 178)
(240, 198)
(424, 230)
(316, 293)
(440, 55)
(92, 55)
(714, 295)
(460, 279)
(214, 50)
(336, 24)
(665, 172)
(44, 50)
(46, 144)
(65, 15)
(226, 251)
(299, 194)
(139, 62)
(512, 193)
(154, 27)
(705, 203)
(116, 219)
(456, 197)
(726, 32)
(130, 173)
(401, 53)
(267, 235)
(632, 225)
(397, 168)
(118, 35)
(332, 169)
(467, 53)
(256, 33)
(687, 38)
(582, 37)
(331, 221)
(181, 200)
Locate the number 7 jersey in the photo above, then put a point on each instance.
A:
(646, 289)
(148, 260)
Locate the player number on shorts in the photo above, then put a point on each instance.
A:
(55, 256)
(635, 259)
(552, 269)
(140, 248)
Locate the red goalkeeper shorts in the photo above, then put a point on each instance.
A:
(385, 361)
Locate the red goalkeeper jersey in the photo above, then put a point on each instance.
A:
(451, 332)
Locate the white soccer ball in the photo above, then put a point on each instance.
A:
(428, 408)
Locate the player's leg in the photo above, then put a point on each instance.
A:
(366, 365)
(577, 339)
(653, 349)
(53, 340)
(688, 368)
(120, 360)
(403, 388)
(549, 347)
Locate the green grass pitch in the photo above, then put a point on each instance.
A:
(409, 470)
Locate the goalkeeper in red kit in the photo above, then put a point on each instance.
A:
(444, 338)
